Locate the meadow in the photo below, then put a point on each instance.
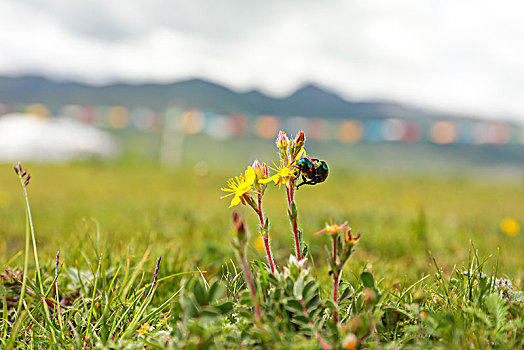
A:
(112, 220)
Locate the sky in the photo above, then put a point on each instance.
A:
(449, 55)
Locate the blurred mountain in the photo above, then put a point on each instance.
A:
(308, 101)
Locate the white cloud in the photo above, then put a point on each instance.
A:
(460, 55)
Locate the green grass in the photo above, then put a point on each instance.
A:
(111, 222)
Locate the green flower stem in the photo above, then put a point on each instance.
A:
(26, 264)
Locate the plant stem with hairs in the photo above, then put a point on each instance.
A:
(261, 173)
(239, 242)
(264, 228)
(293, 218)
(336, 277)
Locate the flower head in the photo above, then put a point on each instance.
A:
(295, 267)
(298, 263)
(334, 229)
(285, 172)
(350, 341)
(22, 173)
(240, 186)
(144, 329)
(350, 239)
(162, 321)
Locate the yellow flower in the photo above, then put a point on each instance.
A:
(162, 321)
(284, 173)
(509, 226)
(239, 186)
(334, 229)
(143, 329)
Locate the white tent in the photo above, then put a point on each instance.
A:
(30, 137)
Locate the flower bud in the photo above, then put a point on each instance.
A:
(355, 324)
(240, 229)
(300, 139)
(265, 170)
(369, 296)
(350, 341)
(282, 140)
(351, 240)
(256, 166)
(27, 179)
(260, 173)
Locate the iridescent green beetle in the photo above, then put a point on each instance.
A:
(312, 170)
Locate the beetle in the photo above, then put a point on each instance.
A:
(312, 171)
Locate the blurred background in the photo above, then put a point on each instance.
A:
(417, 106)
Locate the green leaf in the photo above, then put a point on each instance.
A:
(330, 304)
(295, 306)
(497, 308)
(259, 334)
(367, 279)
(310, 290)
(346, 293)
(216, 291)
(246, 314)
(298, 287)
(273, 280)
(200, 293)
(211, 312)
(313, 303)
(301, 320)
(293, 209)
(225, 308)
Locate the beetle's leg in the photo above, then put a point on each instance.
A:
(303, 182)
(310, 182)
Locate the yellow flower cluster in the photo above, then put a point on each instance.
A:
(256, 177)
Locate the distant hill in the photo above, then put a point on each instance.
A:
(308, 101)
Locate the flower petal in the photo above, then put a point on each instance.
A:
(250, 175)
(269, 179)
(234, 201)
(301, 154)
(227, 195)
(319, 232)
